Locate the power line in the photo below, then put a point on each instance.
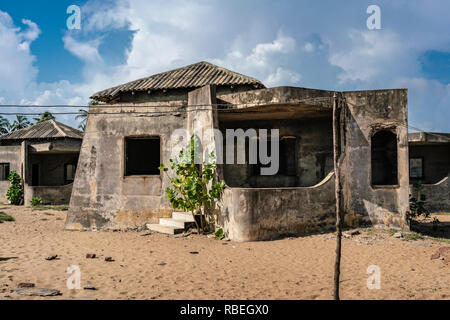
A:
(179, 109)
(183, 105)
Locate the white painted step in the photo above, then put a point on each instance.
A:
(174, 222)
(185, 216)
(164, 229)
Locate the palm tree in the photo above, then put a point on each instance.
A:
(20, 123)
(5, 126)
(82, 116)
(47, 115)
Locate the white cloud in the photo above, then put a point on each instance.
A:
(282, 77)
(264, 61)
(369, 55)
(428, 102)
(308, 47)
(87, 51)
(17, 64)
(341, 54)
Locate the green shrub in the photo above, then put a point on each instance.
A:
(220, 234)
(194, 187)
(15, 191)
(36, 201)
(417, 202)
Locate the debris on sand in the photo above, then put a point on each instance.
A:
(89, 287)
(398, 235)
(90, 256)
(26, 285)
(442, 252)
(39, 292)
(51, 257)
(183, 235)
(109, 259)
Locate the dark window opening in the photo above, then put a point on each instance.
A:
(384, 158)
(69, 172)
(142, 156)
(256, 168)
(287, 156)
(4, 171)
(35, 174)
(416, 168)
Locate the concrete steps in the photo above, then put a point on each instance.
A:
(165, 229)
(186, 216)
(179, 222)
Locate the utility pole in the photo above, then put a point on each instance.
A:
(338, 189)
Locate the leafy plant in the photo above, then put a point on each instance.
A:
(15, 191)
(20, 123)
(417, 202)
(5, 126)
(194, 188)
(36, 201)
(82, 116)
(47, 115)
(220, 234)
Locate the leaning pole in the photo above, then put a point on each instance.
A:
(338, 188)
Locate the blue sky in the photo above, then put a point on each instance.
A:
(319, 44)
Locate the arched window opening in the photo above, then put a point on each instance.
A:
(384, 158)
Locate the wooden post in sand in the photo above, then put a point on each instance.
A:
(338, 189)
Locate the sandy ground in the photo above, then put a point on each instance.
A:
(162, 267)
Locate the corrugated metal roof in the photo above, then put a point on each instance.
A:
(44, 130)
(193, 76)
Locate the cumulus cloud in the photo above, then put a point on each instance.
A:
(264, 61)
(87, 51)
(370, 55)
(17, 64)
(279, 46)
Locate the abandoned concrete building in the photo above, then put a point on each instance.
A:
(45, 155)
(118, 184)
(429, 163)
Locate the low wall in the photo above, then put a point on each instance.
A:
(438, 196)
(49, 195)
(250, 214)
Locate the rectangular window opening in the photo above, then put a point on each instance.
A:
(416, 168)
(142, 156)
(69, 172)
(4, 171)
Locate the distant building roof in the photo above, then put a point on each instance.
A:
(428, 137)
(44, 130)
(191, 76)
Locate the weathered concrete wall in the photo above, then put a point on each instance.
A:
(438, 195)
(366, 113)
(51, 156)
(51, 167)
(9, 154)
(313, 152)
(436, 171)
(49, 195)
(250, 214)
(102, 196)
(436, 160)
(171, 95)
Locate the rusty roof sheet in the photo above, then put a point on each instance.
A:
(44, 130)
(191, 76)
